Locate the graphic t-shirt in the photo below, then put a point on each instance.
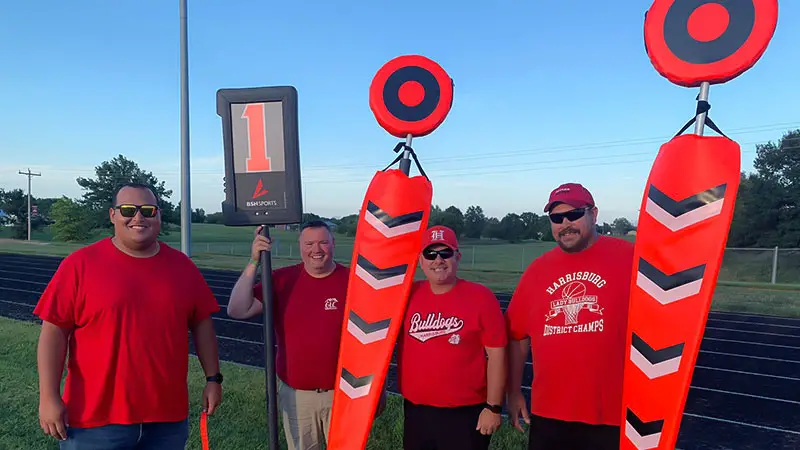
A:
(130, 317)
(308, 314)
(574, 308)
(441, 355)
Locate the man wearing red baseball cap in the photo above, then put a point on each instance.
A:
(570, 309)
(453, 393)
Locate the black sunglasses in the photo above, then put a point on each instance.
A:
(572, 216)
(445, 253)
(148, 211)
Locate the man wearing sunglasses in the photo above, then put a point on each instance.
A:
(570, 309)
(121, 309)
(453, 394)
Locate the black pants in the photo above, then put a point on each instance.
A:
(552, 434)
(432, 428)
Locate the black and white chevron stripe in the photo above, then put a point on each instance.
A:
(380, 278)
(367, 332)
(669, 288)
(655, 363)
(392, 226)
(643, 435)
(677, 215)
(353, 386)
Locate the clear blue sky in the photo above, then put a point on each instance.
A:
(541, 88)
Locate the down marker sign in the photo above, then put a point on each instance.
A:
(262, 173)
(262, 159)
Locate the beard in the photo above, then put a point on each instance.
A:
(572, 240)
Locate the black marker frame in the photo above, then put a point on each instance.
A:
(287, 96)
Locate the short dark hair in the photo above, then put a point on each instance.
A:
(135, 186)
(316, 224)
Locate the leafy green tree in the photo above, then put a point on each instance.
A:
(198, 215)
(474, 222)
(15, 204)
(622, 226)
(450, 217)
(767, 210)
(216, 217)
(99, 192)
(70, 221)
(513, 227)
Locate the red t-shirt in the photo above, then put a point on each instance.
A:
(128, 354)
(308, 315)
(441, 355)
(574, 308)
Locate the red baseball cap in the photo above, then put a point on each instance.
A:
(440, 235)
(573, 194)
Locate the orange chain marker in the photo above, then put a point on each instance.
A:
(204, 430)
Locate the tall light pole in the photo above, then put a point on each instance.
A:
(29, 174)
(186, 207)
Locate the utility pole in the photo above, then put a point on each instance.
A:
(186, 185)
(29, 174)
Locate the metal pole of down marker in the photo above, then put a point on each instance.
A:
(405, 162)
(700, 123)
(269, 344)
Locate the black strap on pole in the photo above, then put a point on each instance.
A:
(401, 146)
(269, 345)
(702, 107)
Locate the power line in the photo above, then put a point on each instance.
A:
(530, 167)
(29, 174)
(442, 160)
(516, 167)
(565, 148)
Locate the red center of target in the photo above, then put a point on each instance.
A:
(411, 93)
(708, 22)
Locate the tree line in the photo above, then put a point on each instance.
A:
(767, 210)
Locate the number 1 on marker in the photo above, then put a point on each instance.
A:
(257, 160)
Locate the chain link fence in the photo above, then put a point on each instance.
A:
(762, 265)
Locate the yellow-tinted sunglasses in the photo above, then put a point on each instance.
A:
(130, 210)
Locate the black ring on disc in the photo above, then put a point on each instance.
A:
(391, 94)
(742, 14)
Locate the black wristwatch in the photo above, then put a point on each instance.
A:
(493, 408)
(215, 378)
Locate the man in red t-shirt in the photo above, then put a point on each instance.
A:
(123, 307)
(308, 301)
(453, 395)
(570, 309)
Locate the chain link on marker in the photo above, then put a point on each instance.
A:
(204, 430)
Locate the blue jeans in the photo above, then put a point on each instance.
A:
(148, 436)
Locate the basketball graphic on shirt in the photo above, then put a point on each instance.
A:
(574, 290)
(573, 300)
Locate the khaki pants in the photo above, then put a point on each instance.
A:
(306, 416)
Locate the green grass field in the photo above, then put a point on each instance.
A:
(240, 420)
(495, 263)
(743, 281)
